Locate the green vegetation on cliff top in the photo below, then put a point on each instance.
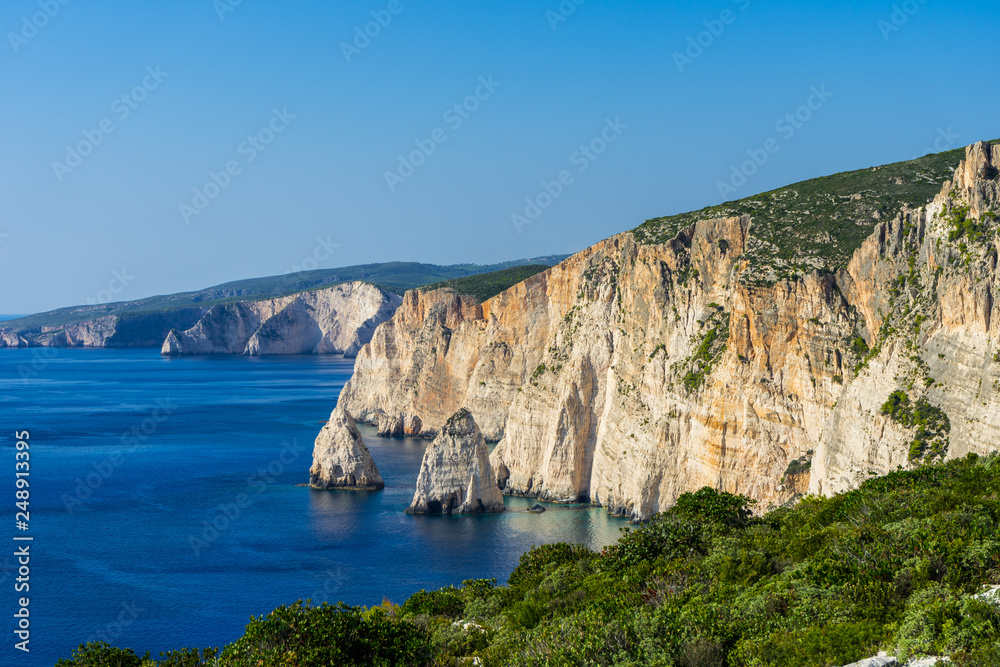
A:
(898, 564)
(486, 285)
(819, 223)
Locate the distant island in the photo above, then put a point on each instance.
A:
(344, 303)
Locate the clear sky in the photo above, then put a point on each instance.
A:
(309, 114)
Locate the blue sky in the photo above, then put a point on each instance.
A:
(208, 85)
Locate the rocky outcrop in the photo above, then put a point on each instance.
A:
(143, 329)
(455, 475)
(340, 458)
(335, 320)
(12, 339)
(630, 373)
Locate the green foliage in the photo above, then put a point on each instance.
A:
(705, 356)
(820, 221)
(101, 654)
(860, 347)
(444, 602)
(189, 657)
(308, 636)
(931, 422)
(487, 285)
(894, 565)
(799, 465)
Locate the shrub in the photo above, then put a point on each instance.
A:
(327, 635)
(102, 654)
(446, 602)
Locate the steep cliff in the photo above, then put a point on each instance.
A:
(341, 459)
(705, 352)
(144, 329)
(335, 320)
(455, 475)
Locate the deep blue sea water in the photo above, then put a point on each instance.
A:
(135, 457)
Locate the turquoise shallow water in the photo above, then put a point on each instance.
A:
(166, 509)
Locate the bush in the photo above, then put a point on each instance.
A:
(327, 635)
(445, 602)
(102, 654)
(940, 620)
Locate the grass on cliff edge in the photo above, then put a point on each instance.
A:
(895, 565)
(819, 223)
(487, 285)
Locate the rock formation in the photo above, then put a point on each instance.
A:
(633, 371)
(12, 339)
(455, 475)
(132, 330)
(335, 320)
(340, 458)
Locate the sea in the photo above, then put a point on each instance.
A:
(167, 503)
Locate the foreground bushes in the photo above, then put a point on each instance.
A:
(893, 565)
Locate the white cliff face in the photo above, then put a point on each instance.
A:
(12, 339)
(455, 475)
(936, 326)
(335, 320)
(630, 374)
(341, 459)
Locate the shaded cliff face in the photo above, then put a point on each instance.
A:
(335, 320)
(629, 373)
(455, 474)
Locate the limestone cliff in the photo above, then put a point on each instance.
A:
(12, 339)
(340, 458)
(335, 320)
(633, 371)
(455, 475)
(145, 329)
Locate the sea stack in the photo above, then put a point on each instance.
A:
(340, 458)
(456, 476)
